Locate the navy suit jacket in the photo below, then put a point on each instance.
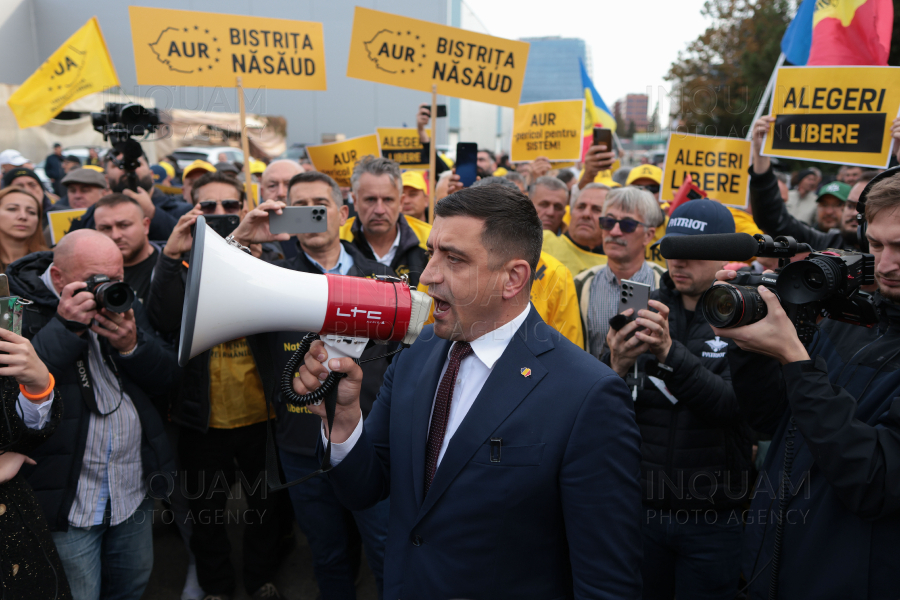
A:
(557, 517)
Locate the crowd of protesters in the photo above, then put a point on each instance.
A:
(101, 424)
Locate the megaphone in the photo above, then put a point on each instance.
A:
(347, 311)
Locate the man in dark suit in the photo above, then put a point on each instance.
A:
(511, 456)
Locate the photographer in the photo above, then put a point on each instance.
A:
(691, 428)
(830, 531)
(319, 513)
(93, 475)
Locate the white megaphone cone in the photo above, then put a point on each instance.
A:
(348, 310)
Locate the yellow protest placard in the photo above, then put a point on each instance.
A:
(834, 114)
(61, 221)
(717, 165)
(402, 144)
(338, 159)
(182, 47)
(415, 54)
(549, 129)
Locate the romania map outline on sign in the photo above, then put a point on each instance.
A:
(167, 51)
(380, 45)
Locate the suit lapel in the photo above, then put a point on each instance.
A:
(503, 391)
(424, 392)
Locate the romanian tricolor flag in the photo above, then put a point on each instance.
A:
(840, 32)
(596, 113)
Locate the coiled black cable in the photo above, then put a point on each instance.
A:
(784, 488)
(287, 377)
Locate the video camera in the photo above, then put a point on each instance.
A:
(826, 283)
(120, 123)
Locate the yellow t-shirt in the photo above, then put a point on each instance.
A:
(565, 251)
(553, 295)
(236, 397)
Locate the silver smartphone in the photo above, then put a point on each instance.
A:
(299, 219)
(634, 295)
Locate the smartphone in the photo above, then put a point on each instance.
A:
(441, 110)
(299, 219)
(467, 162)
(223, 224)
(634, 295)
(602, 135)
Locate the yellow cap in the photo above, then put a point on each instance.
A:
(500, 172)
(198, 164)
(414, 179)
(257, 166)
(608, 182)
(97, 168)
(168, 168)
(645, 172)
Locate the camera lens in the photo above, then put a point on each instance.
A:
(115, 296)
(726, 306)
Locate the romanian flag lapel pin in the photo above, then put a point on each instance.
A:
(525, 371)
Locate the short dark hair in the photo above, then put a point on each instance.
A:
(512, 228)
(496, 180)
(565, 175)
(489, 153)
(318, 177)
(116, 199)
(217, 177)
(72, 159)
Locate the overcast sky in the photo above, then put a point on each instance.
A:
(633, 42)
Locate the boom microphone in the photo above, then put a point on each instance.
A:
(721, 246)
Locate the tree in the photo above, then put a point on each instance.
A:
(719, 80)
(629, 133)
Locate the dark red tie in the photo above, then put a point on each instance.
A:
(442, 410)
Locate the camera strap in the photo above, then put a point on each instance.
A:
(88, 389)
(73, 326)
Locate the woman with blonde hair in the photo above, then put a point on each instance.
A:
(21, 215)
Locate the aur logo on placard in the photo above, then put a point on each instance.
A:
(395, 52)
(187, 49)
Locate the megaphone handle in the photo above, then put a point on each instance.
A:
(340, 347)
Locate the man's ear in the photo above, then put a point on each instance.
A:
(56, 276)
(518, 277)
(147, 225)
(344, 211)
(648, 235)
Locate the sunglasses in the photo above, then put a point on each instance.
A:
(208, 207)
(627, 225)
(653, 189)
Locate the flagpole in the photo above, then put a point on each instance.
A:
(432, 154)
(245, 146)
(770, 87)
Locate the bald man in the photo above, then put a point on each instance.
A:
(97, 475)
(273, 185)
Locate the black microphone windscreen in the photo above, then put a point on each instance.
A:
(722, 246)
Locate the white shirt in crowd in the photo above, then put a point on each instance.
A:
(473, 373)
(388, 258)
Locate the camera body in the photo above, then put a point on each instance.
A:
(119, 123)
(825, 284)
(114, 296)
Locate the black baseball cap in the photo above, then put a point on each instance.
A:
(20, 172)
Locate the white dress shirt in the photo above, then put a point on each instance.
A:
(34, 415)
(388, 258)
(473, 373)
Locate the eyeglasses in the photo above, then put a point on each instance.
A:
(208, 207)
(653, 189)
(627, 225)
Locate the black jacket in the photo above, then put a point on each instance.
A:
(149, 370)
(168, 211)
(840, 412)
(694, 454)
(771, 215)
(410, 258)
(24, 538)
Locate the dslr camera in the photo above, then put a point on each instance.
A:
(114, 296)
(825, 284)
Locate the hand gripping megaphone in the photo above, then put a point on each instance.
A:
(346, 311)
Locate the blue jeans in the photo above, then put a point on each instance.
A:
(321, 518)
(691, 555)
(112, 562)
